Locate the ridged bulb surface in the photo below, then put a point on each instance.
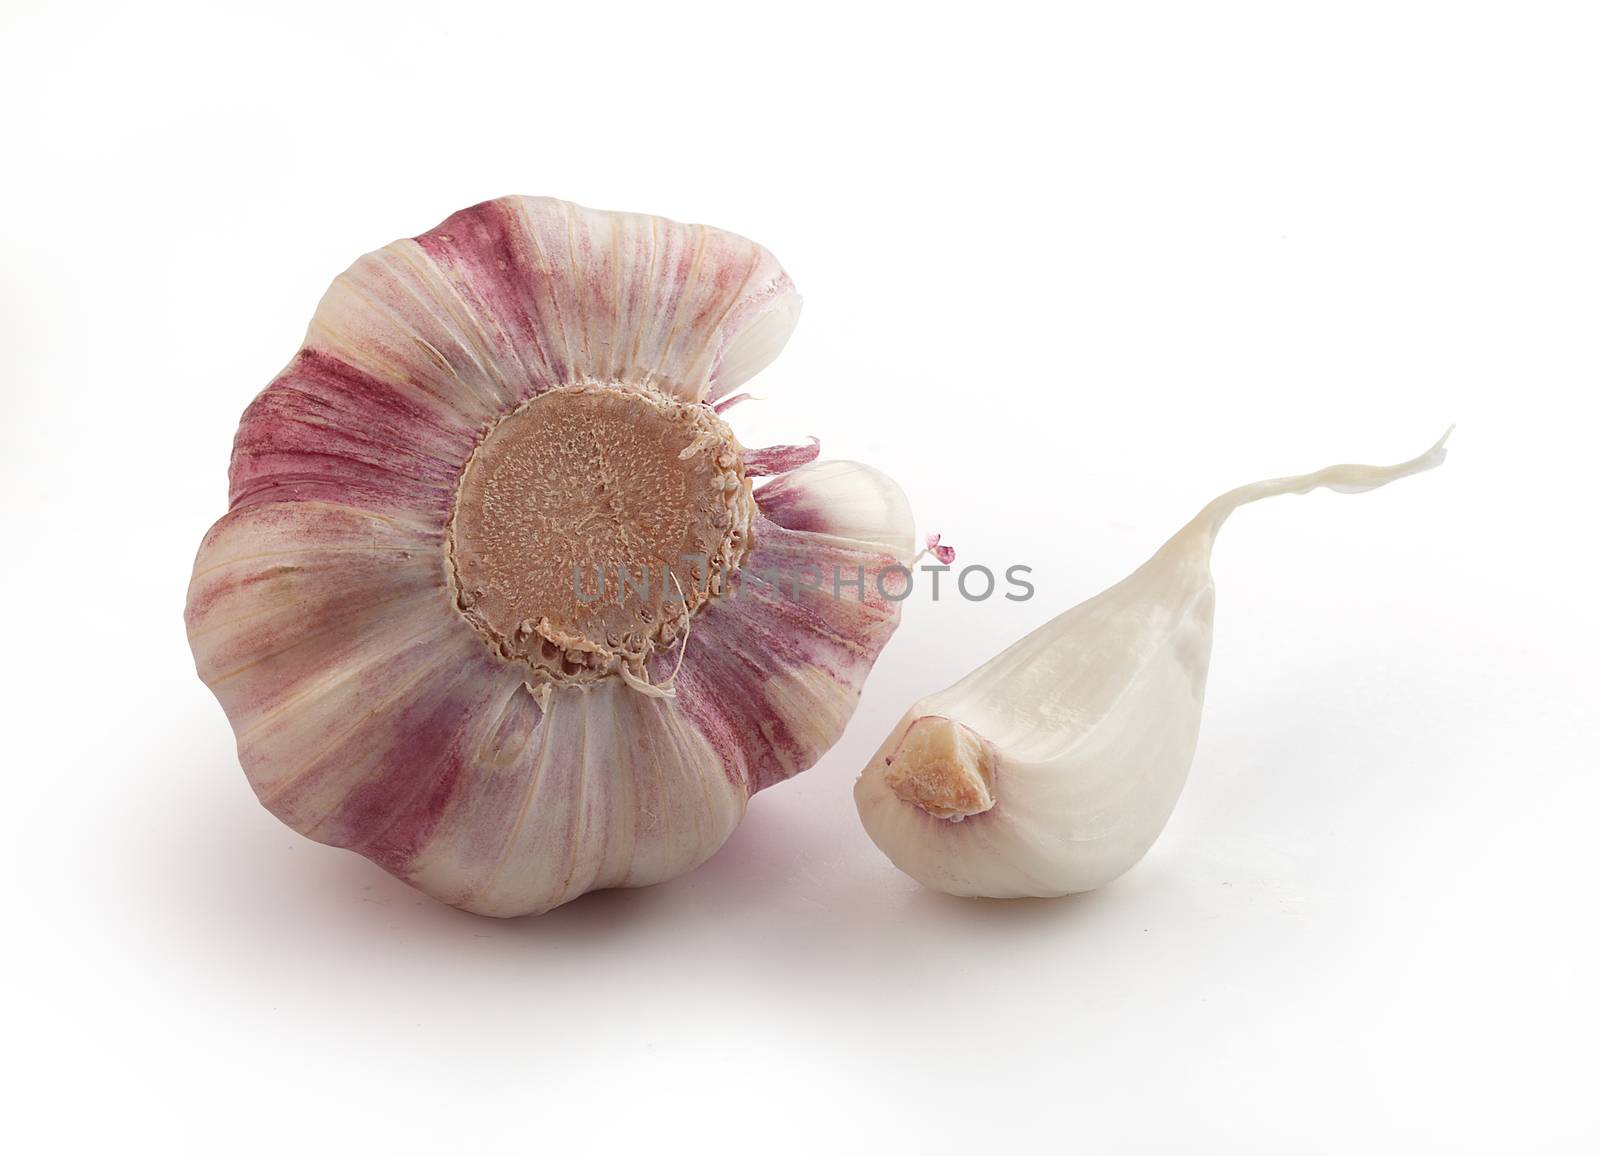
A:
(385, 623)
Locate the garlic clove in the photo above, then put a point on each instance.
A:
(602, 788)
(755, 332)
(1052, 768)
(302, 591)
(522, 293)
(842, 501)
(341, 726)
(388, 613)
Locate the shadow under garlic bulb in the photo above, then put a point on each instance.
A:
(478, 607)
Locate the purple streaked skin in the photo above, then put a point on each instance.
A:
(371, 715)
(774, 460)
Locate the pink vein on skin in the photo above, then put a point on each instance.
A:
(779, 459)
(543, 825)
(842, 635)
(728, 698)
(789, 502)
(276, 654)
(365, 758)
(371, 677)
(579, 841)
(283, 593)
(325, 431)
(577, 279)
(756, 688)
(389, 316)
(729, 281)
(485, 364)
(672, 260)
(613, 363)
(616, 794)
(483, 252)
(401, 814)
(539, 236)
(641, 290)
(684, 282)
(472, 837)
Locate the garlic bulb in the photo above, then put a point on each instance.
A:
(478, 608)
(1052, 768)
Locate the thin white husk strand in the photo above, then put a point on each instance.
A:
(668, 688)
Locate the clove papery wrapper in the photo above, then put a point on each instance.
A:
(1052, 768)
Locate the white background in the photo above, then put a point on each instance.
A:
(1069, 273)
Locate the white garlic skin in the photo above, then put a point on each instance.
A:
(1052, 768)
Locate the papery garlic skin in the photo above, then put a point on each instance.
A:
(402, 685)
(1052, 768)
